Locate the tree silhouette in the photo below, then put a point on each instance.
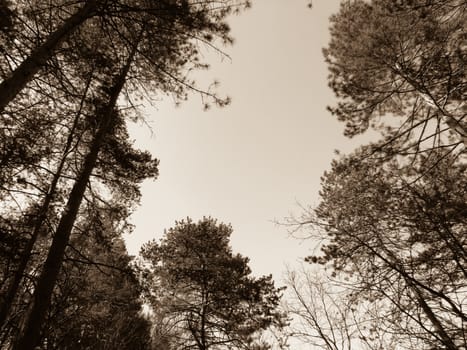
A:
(399, 241)
(405, 62)
(203, 293)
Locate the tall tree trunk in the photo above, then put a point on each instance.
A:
(11, 86)
(14, 284)
(29, 335)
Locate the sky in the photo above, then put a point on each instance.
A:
(250, 163)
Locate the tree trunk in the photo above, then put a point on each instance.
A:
(439, 329)
(11, 86)
(29, 335)
(13, 287)
(413, 284)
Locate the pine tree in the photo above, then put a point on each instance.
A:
(204, 293)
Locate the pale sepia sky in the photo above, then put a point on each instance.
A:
(251, 162)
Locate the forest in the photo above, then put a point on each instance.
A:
(388, 268)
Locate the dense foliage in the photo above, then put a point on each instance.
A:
(390, 271)
(203, 294)
(70, 75)
(404, 59)
(390, 268)
(402, 242)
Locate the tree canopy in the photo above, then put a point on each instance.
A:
(65, 147)
(404, 59)
(389, 230)
(203, 293)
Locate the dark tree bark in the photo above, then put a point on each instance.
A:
(11, 86)
(13, 287)
(29, 335)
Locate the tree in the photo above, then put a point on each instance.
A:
(97, 304)
(96, 247)
(25, 72)
(404, 61)
(158, 67)
(39, 216)
(204, 293)
(400, 236)
(29, 337)
(324, 315)
(182, 20)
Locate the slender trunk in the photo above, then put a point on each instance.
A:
(194, 332)
(203, 321)
(414, 285)
(43, 293)
(456, 124)
(439, 329)
(394, 263)
(11, 86)
(29, 335)
(13, 287)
